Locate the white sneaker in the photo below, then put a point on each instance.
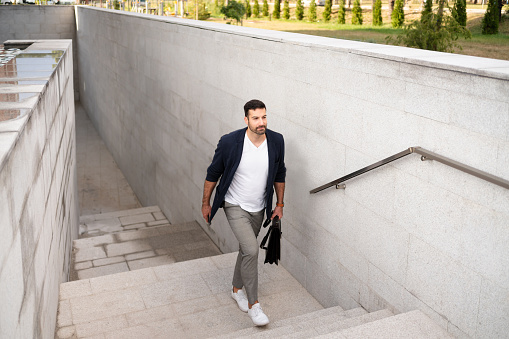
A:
(241, 300)
(257, 316)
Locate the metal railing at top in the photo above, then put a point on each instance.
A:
(425, 155)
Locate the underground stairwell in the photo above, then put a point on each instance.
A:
(136, 275)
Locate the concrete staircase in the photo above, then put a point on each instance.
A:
(135, 284)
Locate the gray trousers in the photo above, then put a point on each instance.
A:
(245, 226)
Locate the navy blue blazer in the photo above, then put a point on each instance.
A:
(227, 159)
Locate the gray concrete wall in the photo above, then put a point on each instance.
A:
(410, 235)
(28, 22)
(38, 203)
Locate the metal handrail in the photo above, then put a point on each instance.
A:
(425, 155)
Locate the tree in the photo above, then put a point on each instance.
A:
(299, 10)
(341, 13)
(377, 13)
(234, 10)
(459, 12)
(490, 21)
(286, 10)
(248, 9)
(357, 13)
(276, 13)
(312, 11)
(436, 31)
(327, 10)
(398, 14)
(265, 9)
(428, 8)
(256, 9)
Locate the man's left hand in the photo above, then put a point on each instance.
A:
(277, 211)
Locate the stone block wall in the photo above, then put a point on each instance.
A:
(410, 235)
(28, 22)
(38, 202)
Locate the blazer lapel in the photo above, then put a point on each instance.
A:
(272, 160)
(239, 146)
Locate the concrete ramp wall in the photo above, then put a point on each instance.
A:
(410, 235)
(38, 187)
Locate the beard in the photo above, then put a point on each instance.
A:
(260, 130)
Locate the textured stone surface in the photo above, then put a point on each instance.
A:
(146, 246)
(102, 270)
(413, 324)
(39, 216)
(102, 186)
(188, 302)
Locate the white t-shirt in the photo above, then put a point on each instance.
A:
(250, 180)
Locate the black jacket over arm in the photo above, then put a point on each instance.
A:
(227, 159)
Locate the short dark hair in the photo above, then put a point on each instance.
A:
(253, 104)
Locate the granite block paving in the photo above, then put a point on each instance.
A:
(116, 248)
(175, 300)
(119, 221)
(191, 299)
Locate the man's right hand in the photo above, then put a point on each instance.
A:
(206, 210)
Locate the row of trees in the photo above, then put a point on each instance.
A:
(457, 18)
(398, 15)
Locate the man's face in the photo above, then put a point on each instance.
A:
(257, 121)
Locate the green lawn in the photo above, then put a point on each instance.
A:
(496, 46)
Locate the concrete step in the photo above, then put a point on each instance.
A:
(414, 324)
(147, 246)
(111, 222)
(333, 312)
(189, 299)
(316, 325)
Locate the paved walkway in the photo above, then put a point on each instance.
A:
(102, 186)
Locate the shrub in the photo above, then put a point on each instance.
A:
(327, 10)
(248, 9)
(265, 9)
(490, 21)
(341, 12)
(357, 13)
(312, 11)
(256, 9)
(203, 14)
(276, 13)
(459, 12)
(435, 31)
(299, 10)
(286, 10)
(234, 10)
(398, 14)
(377, 13)
(428, 8)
